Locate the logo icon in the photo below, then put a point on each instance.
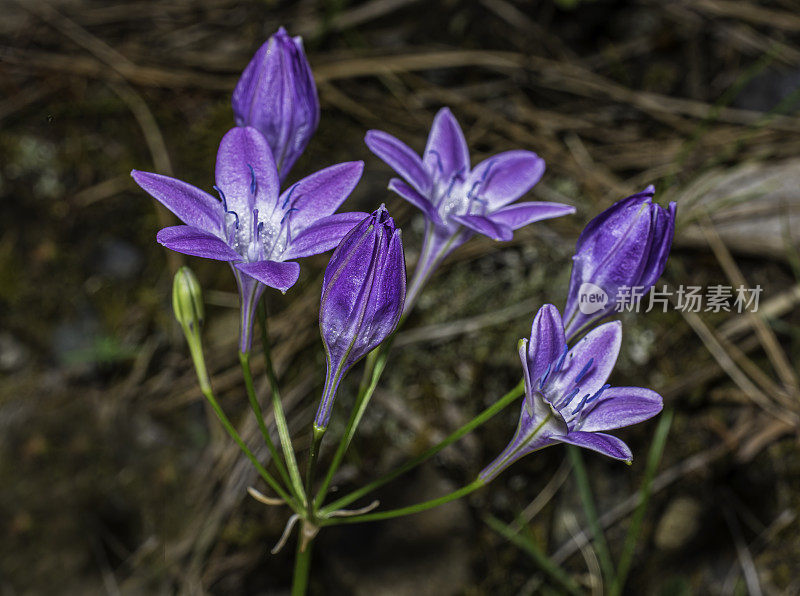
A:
(591, 298)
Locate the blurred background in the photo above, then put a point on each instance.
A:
(111, 479)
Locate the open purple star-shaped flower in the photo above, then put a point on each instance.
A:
(254, 227)
(567, 399)
(458, 201)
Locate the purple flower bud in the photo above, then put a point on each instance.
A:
(362, 298)
(276, 94)
(626, 246)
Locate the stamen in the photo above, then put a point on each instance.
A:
(568, 398)
(471, 190)
(252, 180)
(487, 172)
(450, 186)
(439, 164)
(543, 378)
(221, 196)
(285, 215)
(598, 394)
(580, 405)
(236, 215)
(289, 196)
(561, 359)
(584, 370)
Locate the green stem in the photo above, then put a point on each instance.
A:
(244, 360)
(585, 491)
(481, 418)
(280, 416)
(527, 544)
(377, 364)
(629, 546)
(419, 507)
(302, 566)
(317, 434)
(198, 359)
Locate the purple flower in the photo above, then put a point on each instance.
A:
(255, 228)
(276, 94)
(626, 246)
(362, 299)
(458, 201)
(567, 399)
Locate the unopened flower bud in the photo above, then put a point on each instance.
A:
(626, 246)
(277, 95)
(187, 300)
(362, 298)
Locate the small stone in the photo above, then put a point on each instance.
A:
(678, 524)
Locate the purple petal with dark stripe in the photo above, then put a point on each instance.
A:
(505, 177)
(193, 206)
(521, 214)
(446, 151)
(274, 274)
(485, 226)
(245, 165)
(323, 235)
(198, 243)
(401, 158)
(321, 193)
(416, 199)
(621, 406)
(602, 443)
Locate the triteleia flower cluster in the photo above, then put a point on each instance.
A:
(627, 245)
(457, 200)
(362, 299)
(567, 399)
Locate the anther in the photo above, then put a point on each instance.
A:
(543, 378)
(580, 405)
(288, 211)
(221, 196)
(561, 359)
(439, 164)
(569, 397)
(584, 370)
(252, 180)
(598, 394)
(289, 195)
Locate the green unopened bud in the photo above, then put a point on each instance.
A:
(187, 300)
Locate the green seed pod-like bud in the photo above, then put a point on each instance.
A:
(187, 300)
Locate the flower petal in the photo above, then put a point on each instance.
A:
(244, 165)
(485, 226)
(538, 427)
(602, 443)
(519, 215)
(322, 236)
(416, 199)
(274, 274)
(547, 341)
(663, 230)
(504, 178)
(193, 206)
(198, 243)
(587, 365)
(401, 158)
(320, 194)
(446, 152)
(621, 406)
